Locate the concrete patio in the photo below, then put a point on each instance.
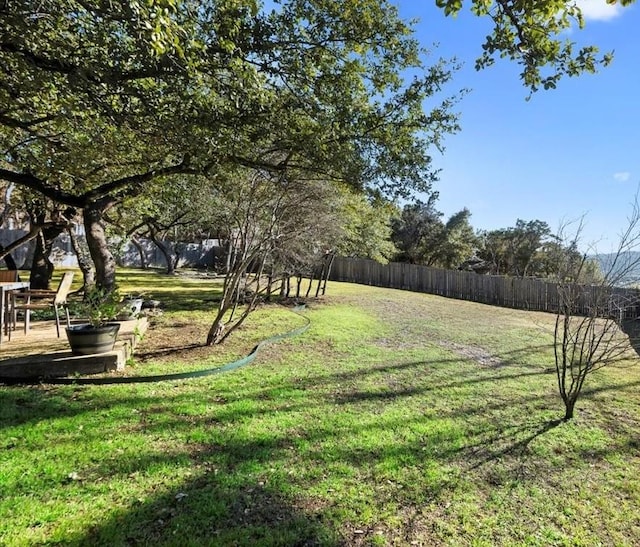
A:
(41, 354)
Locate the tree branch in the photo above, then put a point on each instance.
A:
(114, 189)
(32, 234)
(118, 188)
(20, 124)
(41, 186)
(90, 74)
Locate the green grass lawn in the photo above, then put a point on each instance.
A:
(397, 419)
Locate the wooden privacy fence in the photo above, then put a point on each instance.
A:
(508, 292)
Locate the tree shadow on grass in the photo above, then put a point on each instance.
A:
(511, 358)
(225, 502)
(149, 355)
(356, 396)
(232, 497)
(511, 440)
(213, 514)
(21, 405)
(228, 503)
(222, 504)
(30, 404)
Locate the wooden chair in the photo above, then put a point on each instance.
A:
(43, 300)
(9, 275)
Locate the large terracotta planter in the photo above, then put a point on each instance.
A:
(86, 339)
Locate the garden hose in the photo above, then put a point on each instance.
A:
(169, 377)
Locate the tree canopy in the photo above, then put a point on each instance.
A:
(99, 99)
(514, 250)
(421, 236)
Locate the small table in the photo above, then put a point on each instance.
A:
(5, 287)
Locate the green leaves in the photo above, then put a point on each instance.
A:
(366, 227)
(99, 306)
(103, 98)
(451, 7)
(533, 35)
(421, 236)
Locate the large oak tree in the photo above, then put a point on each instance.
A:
(99, 99)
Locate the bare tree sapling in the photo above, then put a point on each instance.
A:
(592, 306)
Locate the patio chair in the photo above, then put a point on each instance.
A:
(9, 275)
(43, 300)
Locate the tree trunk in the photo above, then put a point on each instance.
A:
(321, 277)
(84, 258)
(230, 256)
(216, 331)
(269, 287)
(33, 233)
(569, 405)
(101, 255)
(176, 255)
(283, 286)
(327, 273)
(298, 285)
(143, 257)
(42, 267)
(8, 260)
(310, 285)
(167, 256)
(153, 236)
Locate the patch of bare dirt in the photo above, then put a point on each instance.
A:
(474, 353)
(174, 342)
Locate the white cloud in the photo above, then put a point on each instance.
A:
(599, 10)
(622, 176)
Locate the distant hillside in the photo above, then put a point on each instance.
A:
(626, 266)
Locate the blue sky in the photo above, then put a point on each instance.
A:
(566, 153)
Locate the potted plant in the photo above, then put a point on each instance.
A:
(131, 306)
(99, 306)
